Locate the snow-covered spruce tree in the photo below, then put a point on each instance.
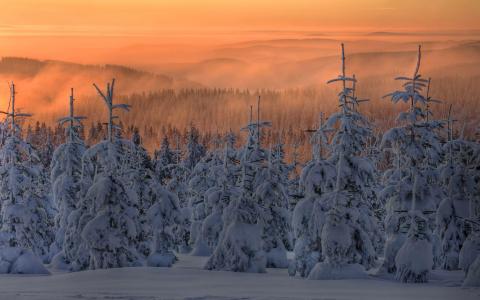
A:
(414, 259)
(470, 259)
(471, 246)
(272, 197)
(213, 180)
(470, 251)
(430, 168)
(252, 151)
(230, 140)
(178, 186)
(164, 157)
(396, 186)
(454, 209)
(286, 175)
(110, 236)
(204, 182)
(240, 248)
(407, 145)
(178, 183)
(195, 150)
(163, 215)
(294, 167)
(75, 250)
(217, 199)
(139, 177)
(214, 160)
(413, 144)
(317, 178)
(200, 182)
(350, 225)
(4, 132)
(371, 191)
(66, 169)
(46, 150)
(473, 275)
(24, 231)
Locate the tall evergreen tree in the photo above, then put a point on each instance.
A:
(163, 159)
(25, 232)
(218, 198)
(272, 196)
(66, 170)
(111, 235)
(415, 143)
(457, 176)
(317, 178)
(195, 150)
(240, 248)
(346, 238)
(163, 215)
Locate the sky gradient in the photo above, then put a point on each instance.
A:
(145, 17)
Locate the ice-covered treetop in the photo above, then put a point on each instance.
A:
(416, 141)
(12, 114)
(413, 86)
(347, 98)
(114, 154)
(15, 149)
(73, 121)
(353, 127)
(108, 100)
(254, 128)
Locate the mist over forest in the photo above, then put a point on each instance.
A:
(212, 86)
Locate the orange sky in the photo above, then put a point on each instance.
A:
(146, 17)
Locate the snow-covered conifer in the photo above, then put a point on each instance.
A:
(414, 145)
(25, 232)
(163, 215)
(164, 157)
(272, 197)
(195, 150)
(317, 178)
(110, 236)
(456, 175)
(473, 275)
(140, 178)
(414, 259)
(240, 248)
(471, 246)
(66, 169)
(217, 199)
(178, 184)
(199, 183)
(294, 167)
(349, 226)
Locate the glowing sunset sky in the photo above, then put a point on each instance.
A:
(91, 17)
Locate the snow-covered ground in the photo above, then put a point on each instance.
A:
(187, 280)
